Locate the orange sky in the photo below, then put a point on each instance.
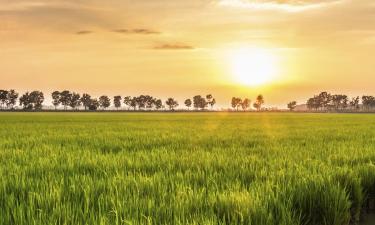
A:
(181, 48)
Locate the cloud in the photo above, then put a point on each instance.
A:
(136, 31)
(174, 47)
(284, 5)
(83, 32)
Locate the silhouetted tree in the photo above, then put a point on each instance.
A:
(128, 101)
(33, 100)
(259, 102)
(354, 103)
(188, 103)
(86, 101)
(292, 105)
(117, 101)
(245, 104)
(150, 102)
(75, 100)
(324, 100)
(65, 98)
(199, 102)
(3, 98)
(368, 102)
(314, 103)
(210, 100)
(236, 103)
(37, 99)
(104, 102)
(94, 104)
(134, 102)
(56, 99)
(12, 97)
(158, 104)
(171, 103)
(25, 101)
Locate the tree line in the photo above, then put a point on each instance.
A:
(69, 100)
(325, 101)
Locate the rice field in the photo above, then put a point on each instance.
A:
(185, 168)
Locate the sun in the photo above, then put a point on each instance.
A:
(253, 66)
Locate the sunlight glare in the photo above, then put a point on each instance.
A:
(254, 66)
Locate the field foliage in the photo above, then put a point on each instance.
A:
(197, 168)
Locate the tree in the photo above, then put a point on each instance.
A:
(3, 98)
(292, 105)
(188, 103)
(37, 99)
(150, 102)
(25, 101)
(65, 98)
(171, 103)
(368, 102)
(75, 100)
(236, 103)
(324, 99)
(313, 103)
(199, 102)
(127, 101)
(245, 104)
(94, 104)
(104, 102)
(86, 100)
(158, 104)
(56, 99)
(354, 103)
(259, 102)
(117, 101)
(141, 102)
(134, 102)
(211, 100)
(12, 97)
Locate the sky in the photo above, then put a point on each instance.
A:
(179, 48)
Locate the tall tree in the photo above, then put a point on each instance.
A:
(354, 103)
(259, 102)
(36, 98)
(3, 98)
(134, 103)
(25, 101)
(292, 105)
(94, 104)
(210, 100)
(127, 101)
(158, 104)
(236, 103)
(86, 101)
(56, 99)
(65, 98)
(104, 102)
(171, 103)
(368, 102)
(188, 103)
(324, 99)
(199, 102)
(12, 97)
(75, 100)
(245, 104)
(117, 101)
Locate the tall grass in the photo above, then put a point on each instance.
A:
(258, 169)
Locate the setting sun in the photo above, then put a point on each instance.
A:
(253, 66)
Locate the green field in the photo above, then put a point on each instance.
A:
(197, 168)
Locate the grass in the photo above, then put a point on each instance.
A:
(118, 168)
